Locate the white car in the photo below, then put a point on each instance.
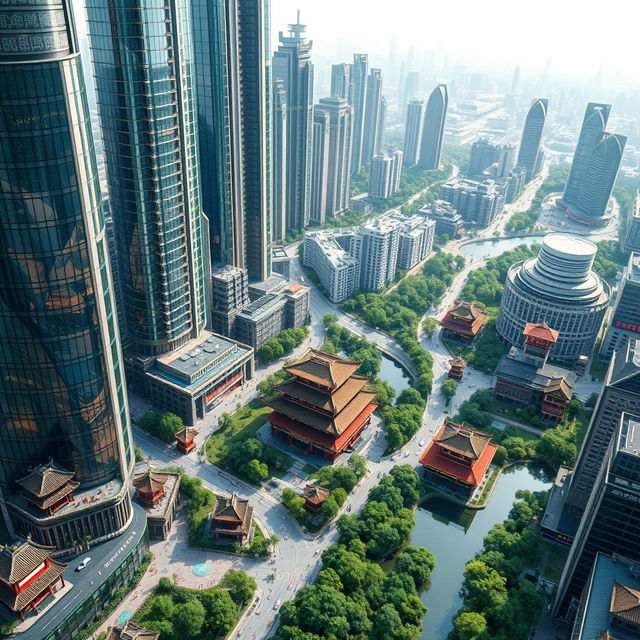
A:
(422, 443)
(83, 564)
(276, 606)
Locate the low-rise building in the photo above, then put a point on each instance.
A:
(186, 439)
(524, 377)
(231, 518)
(131, 631)
(261, 320)
(314, 497)
(448, 221)
(157, 493)
(296, 310)
(280, 261)
(463, 321)
(476, 202)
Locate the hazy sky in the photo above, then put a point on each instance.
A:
(577, 35)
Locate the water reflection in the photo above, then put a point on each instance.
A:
(495, 246)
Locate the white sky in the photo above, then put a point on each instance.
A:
(578, 36)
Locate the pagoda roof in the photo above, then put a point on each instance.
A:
(433, 458)
(465, 442)
(540, 330)
(186, 435)
(333, 402)
(45, 479)
(131, 631)
(233, 509)
(314, 494)
(625, 602)
(458, 362)
(150, 481)
(322, 368)
(466, 311)
(548, 378)
(332, 425)
(19, 560)
(464, 317)
(18, 601)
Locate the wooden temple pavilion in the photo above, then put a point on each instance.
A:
(48, 487)
(150, 486)
(28, 575)
(314, 497)
(158, 493)
(131, 631)
(463, 321)
(324, 406)
(186, 439)
(231, 518)
(457, 366)
(457, 459)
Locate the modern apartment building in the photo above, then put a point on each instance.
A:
(380, 174)
(477, 202)
(380, 239)
(341, 82)
(448, 220)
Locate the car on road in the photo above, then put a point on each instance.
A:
(316, 552)
(406, 454)
(83, 564)
(276, 606)
(422, 443)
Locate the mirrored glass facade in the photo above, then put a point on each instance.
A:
(142, 55)
(61, 379)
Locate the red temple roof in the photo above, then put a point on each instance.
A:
(314, 494)
(540, 330)
(333, 402)
(186, 435)
(322, 368)
(465, 318)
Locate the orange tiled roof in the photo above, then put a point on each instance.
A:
(314, 494)
(323, 368)
(540, 330)
(625, 602)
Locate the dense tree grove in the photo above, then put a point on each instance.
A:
(161, 424)
(609, 260)
(555, 181)
(352, 599)
(497, 603)
(253, 459)
(180, 613)
(266, 387)
(285, 342)
(398, 315)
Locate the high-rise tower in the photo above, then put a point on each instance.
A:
(532, 136)
(62, 388)
(341, 82)
(372, 123)
(233, 68)
(359, 77)
(279, 165)
(413, 132)
(147, 111)
(292, 66)
(433, 128)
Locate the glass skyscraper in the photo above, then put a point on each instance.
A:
(359, 78)
(532, 135)
(62, 389)
(433, 128)
(142, 55)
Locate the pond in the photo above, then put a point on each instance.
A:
(493, 247)
(394, 374)
(454, 535)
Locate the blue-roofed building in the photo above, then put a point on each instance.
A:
(610, 605)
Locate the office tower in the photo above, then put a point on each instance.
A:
(560, 288)
(594, 169)
(292, 66)
(372, 124)
(632, 235)
(409, 89)
(529, 151)
(476, 202)
(233, 70)
(146, 105)
(433, 128)
(335, 116)
(359, 72)
(611, 521)
(319, 167)
(621, 392)
(380, 173)
(382, 119)
(413, 132)
(486, 153)
(279, 163)
(63, 409)
(380, 238)
(341, 82)
(396, 169)
(624, 319)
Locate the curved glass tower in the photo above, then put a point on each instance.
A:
(532, 136)
(435, 115)
(142, 57)
(61, 380)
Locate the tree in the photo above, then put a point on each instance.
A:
(358, 464)
(469, 625)
(256, 471)
(240, 585)
(448, 389)
(188, 619)
(168, 425)
(557, 447)
(429, 326)
(417, 563)
(328, 319)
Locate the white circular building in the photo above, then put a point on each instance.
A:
(557, 287)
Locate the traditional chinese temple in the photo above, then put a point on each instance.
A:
(456, 369)
(463, 321)
(524, 377)
(186, 439)
(28, 576)
(457, 459)
(231, 518)
(131, 631)
(158, 494)
(48, 487)
(314, 497)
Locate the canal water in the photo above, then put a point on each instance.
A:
(495, 246)
(394, 374)
(454, 535)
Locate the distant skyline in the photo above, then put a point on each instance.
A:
(571, 34)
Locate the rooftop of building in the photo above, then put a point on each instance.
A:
(380, 225)
(630, 435)
(314, 494)
(325, 369)
(131, 631)
(632, 272)
(541, 331)
(273, 284)
(151, 481)
(613, 589)
(228, 272)
(263, 306)
(441, 208)
(296, 290)
(47, 484)
(465, 184)
(547, 378)
(332, 251)
(232, 514)
(278, 252)
(333, 402)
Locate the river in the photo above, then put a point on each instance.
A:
(454, 535)
(394, 374)
(493, 247)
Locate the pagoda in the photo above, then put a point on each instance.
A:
(457, 459)
(463, 321)
(457, 368)
(324, 407)
(28, 576)
(186, 439)
(48, 487)
(131, 631)
(231, 517)
(314, 497)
